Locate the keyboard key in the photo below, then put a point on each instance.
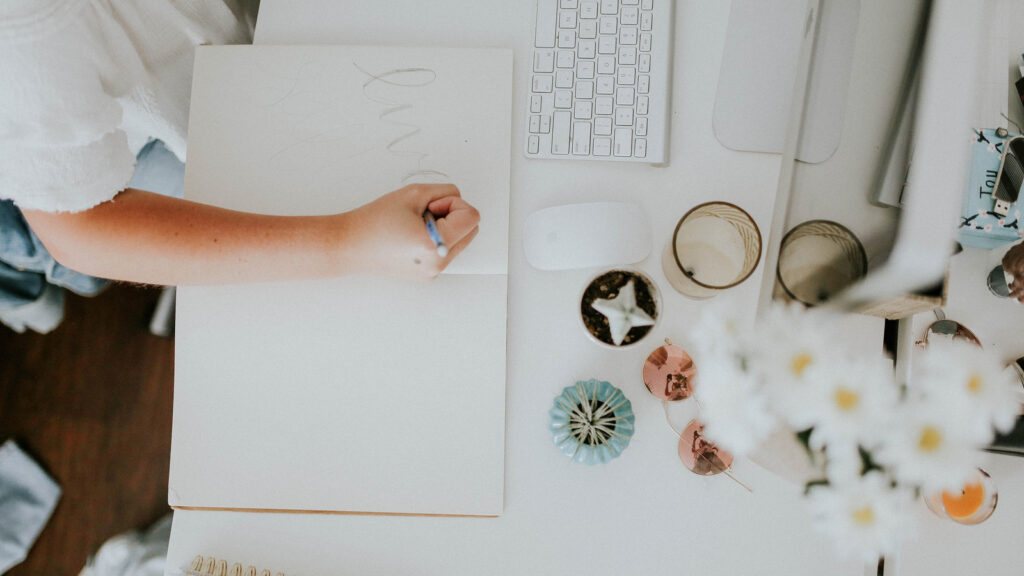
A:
(566, 19)
(627, 36)
(629, 2)
(642, 104)
(585, 89)
(640, 148)
(623, 117)
(563, 79)
(534, 143)
(560, 132)
(606, 45)
(623, 142)
(545, 124)
(542, 83)
(535, 103)
(547, 11)
(609, 6)
(581, 138)
(588, 29)
(645, 42)
(603, 105)
(627, 56)
(645, 62)
(630, 15)
(605, 64)
(646, 19)
(543, 60)
(643, 84)
(647, 4)
(605, 85)
(624, 97)
(609, 25)
(569, 4)
(563, 99)
(588, 9)
(565, 59)
(602, 146)
(641, 126)
(603, 126)
(585, 69)
(534, 124)
(583, 110)
(626, 76)
(567, 39)
(587, 49)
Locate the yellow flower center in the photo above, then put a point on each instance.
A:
(864, 516)
(799, 363)
(846, 399)
(930, 439)
(974, 384)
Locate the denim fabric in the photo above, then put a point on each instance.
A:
(27, 270)
(27, 499)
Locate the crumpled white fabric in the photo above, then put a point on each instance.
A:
(27, 499)
(135, 553)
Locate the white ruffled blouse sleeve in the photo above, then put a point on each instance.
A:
(61, 145)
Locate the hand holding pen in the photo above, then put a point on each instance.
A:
(412, 233)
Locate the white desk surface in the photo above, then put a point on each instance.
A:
(642, 513)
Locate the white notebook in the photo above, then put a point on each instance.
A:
(355, 394)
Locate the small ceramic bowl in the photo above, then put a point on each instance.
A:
(607, 285)
(591, 422)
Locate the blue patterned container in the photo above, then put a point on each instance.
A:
(592, 422)
(980, 227)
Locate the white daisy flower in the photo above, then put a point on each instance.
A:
(733, 405)
(974, 380)
(719, 330)
(850, 401)
(843, 463)
(864, 516)
(931, 444)
(792, 342)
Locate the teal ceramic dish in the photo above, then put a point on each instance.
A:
(592, 422)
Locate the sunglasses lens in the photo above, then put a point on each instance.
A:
(669, 373)
(700, 456)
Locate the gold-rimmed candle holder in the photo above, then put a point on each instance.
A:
(817, 260)
(715, 246)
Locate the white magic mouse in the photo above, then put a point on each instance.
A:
(586, 235)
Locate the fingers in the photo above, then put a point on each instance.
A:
(423, 194)
(460, 220)
(455, 250)
(442, 206)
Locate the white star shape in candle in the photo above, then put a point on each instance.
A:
(622, 313)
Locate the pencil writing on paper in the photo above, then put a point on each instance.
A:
(402, 78)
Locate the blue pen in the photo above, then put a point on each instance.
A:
(435, 235)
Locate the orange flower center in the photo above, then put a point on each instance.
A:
(974, 384)
(799, 363)
(847, 399)
(864, 516)
(930, 439)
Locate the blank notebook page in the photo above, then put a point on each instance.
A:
(354, 394)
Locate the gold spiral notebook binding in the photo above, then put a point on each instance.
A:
(210, 566)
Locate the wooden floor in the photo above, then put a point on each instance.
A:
(91, 402)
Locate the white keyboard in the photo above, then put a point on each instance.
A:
(600, 80)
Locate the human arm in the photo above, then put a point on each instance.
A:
(147, 238)
(1013, 263)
